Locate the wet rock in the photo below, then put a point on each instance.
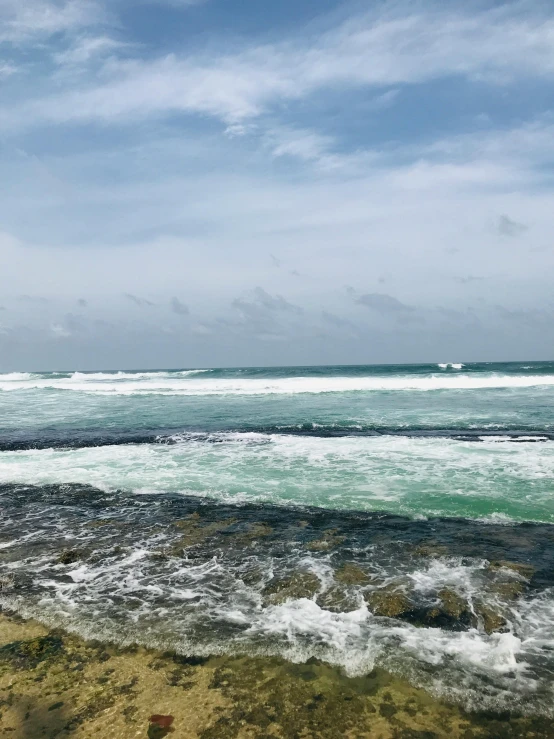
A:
(329, 540)
(253, 576)
(351, 574)
(524, 570)
(452, 612)
(70, 556)
(389, 601)
(297, 585)
(493, 622)
(451, 603)
(507, 590)
(337, 600)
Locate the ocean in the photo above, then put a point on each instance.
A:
(371, 516)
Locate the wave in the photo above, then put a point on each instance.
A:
(193, 383)
(83, 438)
(453, 365)
(406, 475)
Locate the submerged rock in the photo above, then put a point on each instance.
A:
(28, 654)
(329, 540)
(160, 726)
(195, 533)
(297, 585)
(430, 549)
(255, 531)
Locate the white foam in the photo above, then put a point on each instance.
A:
(194, 382)
(504, 438)
(15, 377)
(403, 474)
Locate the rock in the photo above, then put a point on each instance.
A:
(161, 720)
(337, 600)
(451, 603)
(492, 622)
(297, 585)
(195, 533)
(28, 654)
(255, 531)
(389, 602)
(69, 556)
(451, 612)
(524, 570)
(507, 590)
(329, 540)
(430, 549)
(351, 574)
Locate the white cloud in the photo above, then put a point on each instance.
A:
(303, 144)
(85, 48)
(59, 332)
(394, 46)
(24, 20)
(6, 70)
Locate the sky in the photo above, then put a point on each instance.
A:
(190, 183)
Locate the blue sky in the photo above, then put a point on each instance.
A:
(222, 183)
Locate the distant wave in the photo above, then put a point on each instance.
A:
(194, 382)
(454, 365)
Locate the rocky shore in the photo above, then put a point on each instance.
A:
(53, 684)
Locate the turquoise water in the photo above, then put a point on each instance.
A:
(419, 440)
(219, 510)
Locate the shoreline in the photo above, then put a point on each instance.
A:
(55, 684)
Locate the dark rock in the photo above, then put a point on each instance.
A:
(69, 556)
(28, 654)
